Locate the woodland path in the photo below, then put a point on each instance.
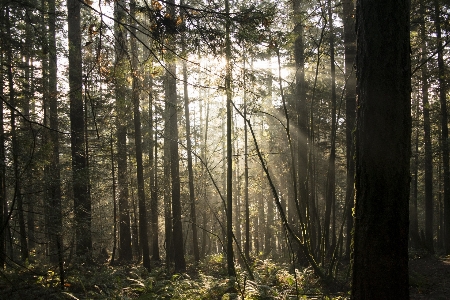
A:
(429, 278)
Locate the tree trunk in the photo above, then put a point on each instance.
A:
(444, 128)
(247, 245)
(17, 194)
(167, 186)
(383, 150)
(331, 173)
(427, 141)
(82, 201)
(2, 165)
(56, 240)
(125, 250)
(301, 113)
(190, 170)
(113, 177)
(143, 235)
(350, 114)
(153, 160)
(229, 208)
(171, 98)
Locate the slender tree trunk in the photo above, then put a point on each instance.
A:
(125, 250)
(3, 220)
(167, 187)
(82, 201)
(28, 139)
(55, 180)
(350, 113)
(444, 128)
(331, 174)
(205, 237)
(17, 196)
(301, 110)
(171, 96)
(230, 256)
(413, 225)
(190, 169)
(153, 160)
(143, 235)
(428, 148)
(171, 100)
(383, 150)
(247, 244)
(113, 176)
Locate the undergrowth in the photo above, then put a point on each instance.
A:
(207, 280)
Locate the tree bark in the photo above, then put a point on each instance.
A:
(153, 160)
(125, 250)
(427, 141)
(143, 235)
(350, 114)
(444, 128)
(55, 180)
(229, 209)
(82, 201)
(383, 150)
(331, 173)
(2, 159)
(190, 169)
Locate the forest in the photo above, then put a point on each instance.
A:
(224, 149)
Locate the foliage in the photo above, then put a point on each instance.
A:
(207, 281)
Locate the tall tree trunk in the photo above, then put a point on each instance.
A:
(171, 100)
(229, 208)
(143, 235)
(167, 186)
(444, 127)
(301, 110)
(383, 150)
(82, 201)
(247, 246)
(153, 160)
(350, 113)
(17, 196)
(28, 138)
(56, 239)
(413, 224)
(427, 141)
(331, 174)
(125, 250)
(171, 96)
(2, 155)
(113, 177)
(190, 169)
(205, 237)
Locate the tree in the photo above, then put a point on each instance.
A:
(331, 173)
(80, 174)
(229, 202)
(380, 262)
(350, 112)
(2, 159)
(171, 100)
(143, 236)
(444, 126)
(189, 158)
(54, 182)
(427, 141)
(125, 251)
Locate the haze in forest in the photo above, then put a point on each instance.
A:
(223, 149)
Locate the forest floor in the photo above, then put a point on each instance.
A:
(429, 277)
